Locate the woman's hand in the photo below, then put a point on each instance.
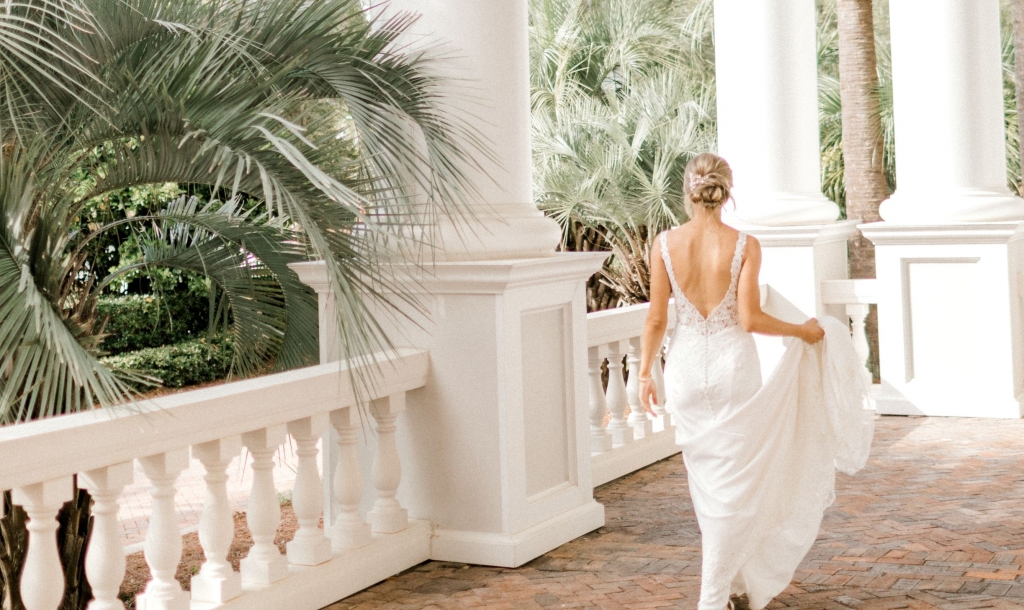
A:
(811, 331)
(648, 395)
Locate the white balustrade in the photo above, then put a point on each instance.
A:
(349, 530)
(101, 446)
(626, 444)
(618, 402)
(264, 564)
(163, 539)
(105, 563)
(217, 582)
(600, 440)
(387, 516)
(309, 547)
(41, 502)
(638, 419)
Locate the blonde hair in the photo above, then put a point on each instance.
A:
(707, 182)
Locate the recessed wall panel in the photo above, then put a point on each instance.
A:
(546, 399)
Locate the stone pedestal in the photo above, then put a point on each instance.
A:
(495, 450)
(950, 317)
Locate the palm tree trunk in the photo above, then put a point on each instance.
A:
(864, 169)
(1017, 8)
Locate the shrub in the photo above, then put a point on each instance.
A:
(179, 365)
(136, 322)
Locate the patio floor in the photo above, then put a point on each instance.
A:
(936, 520)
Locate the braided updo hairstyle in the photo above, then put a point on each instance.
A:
(707, 182)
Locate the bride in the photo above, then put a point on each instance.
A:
(760, 460)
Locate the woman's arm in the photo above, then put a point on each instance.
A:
(654, 326)
(752, 318)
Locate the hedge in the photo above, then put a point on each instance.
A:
(183, 364)
(136, 322)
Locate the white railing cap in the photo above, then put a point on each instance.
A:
(621, 323)
(845, 292)
(66, 445)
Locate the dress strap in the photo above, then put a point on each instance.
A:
(737, 260)
(668, 263)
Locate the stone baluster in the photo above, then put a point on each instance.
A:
(349, 531)
(387, 515)
(618, 403)
(42, 581)
(216, 582)
(600, 440)
(642, 425)
(163, 539)
(264, 564)
(658, 375)
(104, 559)
(858, 313)
(309, 547)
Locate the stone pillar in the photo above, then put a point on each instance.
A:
(486, 46)
(950, 250)
(495, 450)
(948, 109)
(767, 82)
(767, 85)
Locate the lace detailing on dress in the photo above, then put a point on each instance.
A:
(725, 314)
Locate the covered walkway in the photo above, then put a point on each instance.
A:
(936, 520)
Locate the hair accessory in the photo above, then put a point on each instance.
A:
(696, 181)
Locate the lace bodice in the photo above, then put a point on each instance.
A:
(726, 314)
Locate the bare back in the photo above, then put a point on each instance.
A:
(702, 261)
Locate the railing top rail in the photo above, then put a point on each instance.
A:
(62, 446)
(621, 323)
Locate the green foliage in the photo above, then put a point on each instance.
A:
(623, 98)
(160, 145)
(176, 366)
(134, 322)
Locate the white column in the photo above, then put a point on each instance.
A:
(387, 516)
(163, 538)
(104, 559)
(767, 84)
(42, 581)
(600, 440)
(348, 531)
(488, 47)
(217, 581)
(309, 547)
(948, 110)
(264, 564)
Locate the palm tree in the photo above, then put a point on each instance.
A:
(1017, 20)
(623, 97)
(306, 124)
(261, 103)
(862, 138)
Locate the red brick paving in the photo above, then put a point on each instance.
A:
(935, 521)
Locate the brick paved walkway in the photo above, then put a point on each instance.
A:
(936, 520)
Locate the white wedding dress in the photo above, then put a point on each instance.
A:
(760, 460)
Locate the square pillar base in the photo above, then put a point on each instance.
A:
(950, 323)
(495, 449)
